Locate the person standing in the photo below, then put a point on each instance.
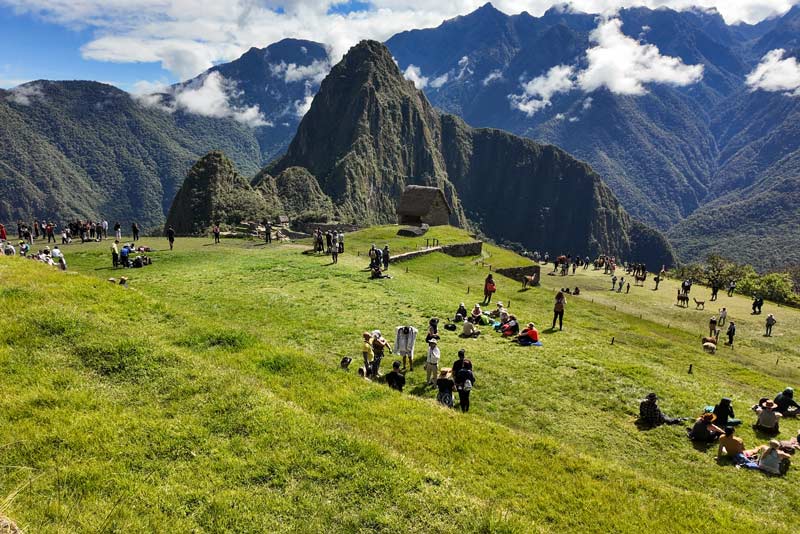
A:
(465, 380)
(459, 363)
(489, 289)
(117, 231)
(216, 233)
(335, 254)
(771, 321)
(115, 254)
(712, 326)
(432, 361)
(558, 310)
(379, 346)
(385, 257)
(328, 240)
(341, 242)
(405, 339)
(3, 234)
(104, 225)
(367, 353)
(267, 232)
(171, 236)
(731, 333)
(723, 315)
(135, 231)
(395, 379)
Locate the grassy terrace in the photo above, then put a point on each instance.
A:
(208, 398)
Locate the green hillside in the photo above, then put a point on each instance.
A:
(208, 398)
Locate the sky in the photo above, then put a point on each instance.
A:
(146, 43)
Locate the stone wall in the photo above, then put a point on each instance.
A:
(460, 250)
(516, 273)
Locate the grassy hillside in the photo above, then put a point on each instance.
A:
(207, 398)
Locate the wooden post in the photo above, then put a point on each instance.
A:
(406, 268)
(509, 303)
(437, 279)
(467, 290)
(612, 340)
(690, 368)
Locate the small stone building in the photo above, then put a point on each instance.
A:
(423, 205)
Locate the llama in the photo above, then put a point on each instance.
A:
(699, 304)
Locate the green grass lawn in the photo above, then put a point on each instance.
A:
(208, 398)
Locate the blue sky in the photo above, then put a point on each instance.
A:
(142, 43)
(31, 49)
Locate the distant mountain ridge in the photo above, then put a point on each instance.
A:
(370, 132)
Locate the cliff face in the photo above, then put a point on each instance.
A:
(214, 193)
(369, 133)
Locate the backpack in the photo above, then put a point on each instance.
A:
(467, 385)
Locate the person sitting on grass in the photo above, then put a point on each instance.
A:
(469, 329)
(650, 413)
(733, 448)
(704, 429)
(528, 336)
(768, 417)
(785, 403)
(495, 313)
(396, 379)
(511, 328)
(476, 313)
(377, 273)
(771, 458)
(724, 413)
(446, 385)
(462, 311)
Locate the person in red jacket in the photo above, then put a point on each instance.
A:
(529, 335)
(3, 235)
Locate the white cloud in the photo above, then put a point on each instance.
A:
(492, 76)
(776, 74)
(439, 81)
(559, 117)
(292, 72)
(25, 94)
(463, 65)
(301, 107)
(624, 65)
(209, 96)
(587, 103)
(617, 62)
(414, 74)
(189, 36)
(538, 92)
(574, 119)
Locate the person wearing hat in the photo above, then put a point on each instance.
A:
(704, 429)
(495, 313)
(396, 379)
(712, 326)
(432, 361)
(469, 329)
(768, 417)
(771, 458)
(446, 386)
(785, 402)
(650, 413)
(724, 413)
(732, 447)
(367, 353)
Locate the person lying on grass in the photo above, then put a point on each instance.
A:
(650, 413)
(704, 429)
(789, 446)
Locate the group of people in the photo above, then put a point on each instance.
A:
(328, 242)
(717, 424)
(127, 257)
(51, 257)
(458, 378)
(379, 261)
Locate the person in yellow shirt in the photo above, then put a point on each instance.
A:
(115, 254)
(367, 353)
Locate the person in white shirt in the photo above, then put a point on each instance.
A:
(9, 250)
(405, 339)
(56, 253)
(105, 228)
(432, 362)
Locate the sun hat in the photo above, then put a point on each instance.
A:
(774, 444)
(769, 405)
